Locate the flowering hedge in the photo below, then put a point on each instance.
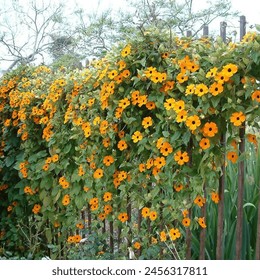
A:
(127, 144)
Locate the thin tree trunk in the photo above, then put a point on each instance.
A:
(241, 179)
(129, 213)
(111, 237)
(89, 219)
(220, 227)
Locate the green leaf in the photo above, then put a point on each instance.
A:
(248, 204)
(9, 160)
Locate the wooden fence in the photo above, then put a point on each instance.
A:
(115, 232)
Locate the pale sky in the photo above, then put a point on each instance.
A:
(249, 8)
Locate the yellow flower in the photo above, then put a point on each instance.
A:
(107, 196)
(126, 51)
(163, 236)
(201, 89)
(169, 103)
(137, 136)
(123, 103)
(147, 121)
(174, 233)
(193, 122)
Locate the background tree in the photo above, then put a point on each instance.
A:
(25, 30)
(45, 32)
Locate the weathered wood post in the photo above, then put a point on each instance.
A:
(205, 30)
(189, 34)
(223, 31)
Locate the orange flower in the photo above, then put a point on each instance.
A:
(186, 222)
(150, 105)
(122, 145)
(93, 201)
(237, 118)
(145, 212)
(153, 215)
(102, 216)
(216, 88)
(137, 245)
(181, 116)
(55, 158)
(45, 167)
(174, 234)
(215, 197)
(80, 225)
(199, 200)
(181, 158)
(178, 188)
(232, 156)
(210, 129)
(107, 196)
(185, 213)
(163, 236)
(159, 162)
(166, 149)
(141, 167)
(66, 200)
(137, 136)
(201, 222)
(252, 139)
(204, 143)
(106, 142)
(36, 208)
(77, 238)
(98, 173)
(123, 217)
(107, 209)
(256, 95)
(181, 78)
(122, 175)
(108, 160)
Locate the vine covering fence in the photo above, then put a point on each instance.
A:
(152, 149)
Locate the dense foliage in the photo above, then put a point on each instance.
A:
(130, 146)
